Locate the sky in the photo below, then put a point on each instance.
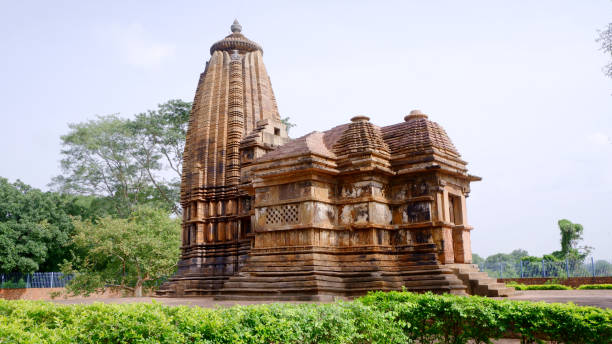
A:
(518, 86)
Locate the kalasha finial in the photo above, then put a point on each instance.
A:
(414, 114)
(236, 27)
(360, 119)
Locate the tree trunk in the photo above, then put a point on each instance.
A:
(138, 289)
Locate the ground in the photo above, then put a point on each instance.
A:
(597, 298)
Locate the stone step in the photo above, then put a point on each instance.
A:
(477, 275)
(271, 292)
(263, 271)
(479, 282)
(494, 290)
(436, 270)
(371, 284)
(342, 259)
(336, 267)
(341, 278)
(483, 281)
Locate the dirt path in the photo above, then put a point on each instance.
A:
(597, 298)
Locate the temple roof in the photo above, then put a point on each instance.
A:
(415, 136)
(235, 41)
(361, 136)
(312, 143)
(418, 135)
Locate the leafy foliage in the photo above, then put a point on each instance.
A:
(452, 319)
(35, 227)
(570, 254)
(551, 286)
(13, 285)
(571, 235)
(395, 317)
(605, 38)
(287, 122)
(125, 253)
(124, 160)
(595, 286)
(511, 262)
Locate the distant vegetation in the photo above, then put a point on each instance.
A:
(605, 39)
(112, 217)
(555, 286)
(127, 162)
(571, 253)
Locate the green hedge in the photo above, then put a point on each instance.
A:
(519, 286)
(595, 286)
(395, 317)
(13, 285)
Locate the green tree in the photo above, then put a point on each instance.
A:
(571, 235)
(128, 254)
(125, 161)
(35, 228)
(477, 259)
(605, 39)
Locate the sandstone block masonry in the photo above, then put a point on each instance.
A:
(334, 213)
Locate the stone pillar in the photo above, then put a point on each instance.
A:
(461, 245)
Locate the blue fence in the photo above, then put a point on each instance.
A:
(34, 280)
(556, 269)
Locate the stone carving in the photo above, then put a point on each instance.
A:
(284, 214)
(416, 212)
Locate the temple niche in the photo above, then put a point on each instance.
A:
(331, 214)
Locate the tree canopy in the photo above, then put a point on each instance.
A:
(35, 227)
(571, 235)
(128, 253)
(128, 162)
(605, 38)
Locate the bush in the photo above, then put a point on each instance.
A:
(519, 286)
(452, 319)
(13, 285)
(548, 287)
(395, 317)
(595, 286)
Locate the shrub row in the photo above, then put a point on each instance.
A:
(396, 317)
(520, 286)
(13, 285)
(595, 286)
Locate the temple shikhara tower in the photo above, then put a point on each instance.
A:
(334, 213)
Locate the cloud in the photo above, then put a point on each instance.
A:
(137, 48)
(599, 139)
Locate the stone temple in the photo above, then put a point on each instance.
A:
(335, 213)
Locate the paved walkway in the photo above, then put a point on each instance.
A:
(597, 298)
